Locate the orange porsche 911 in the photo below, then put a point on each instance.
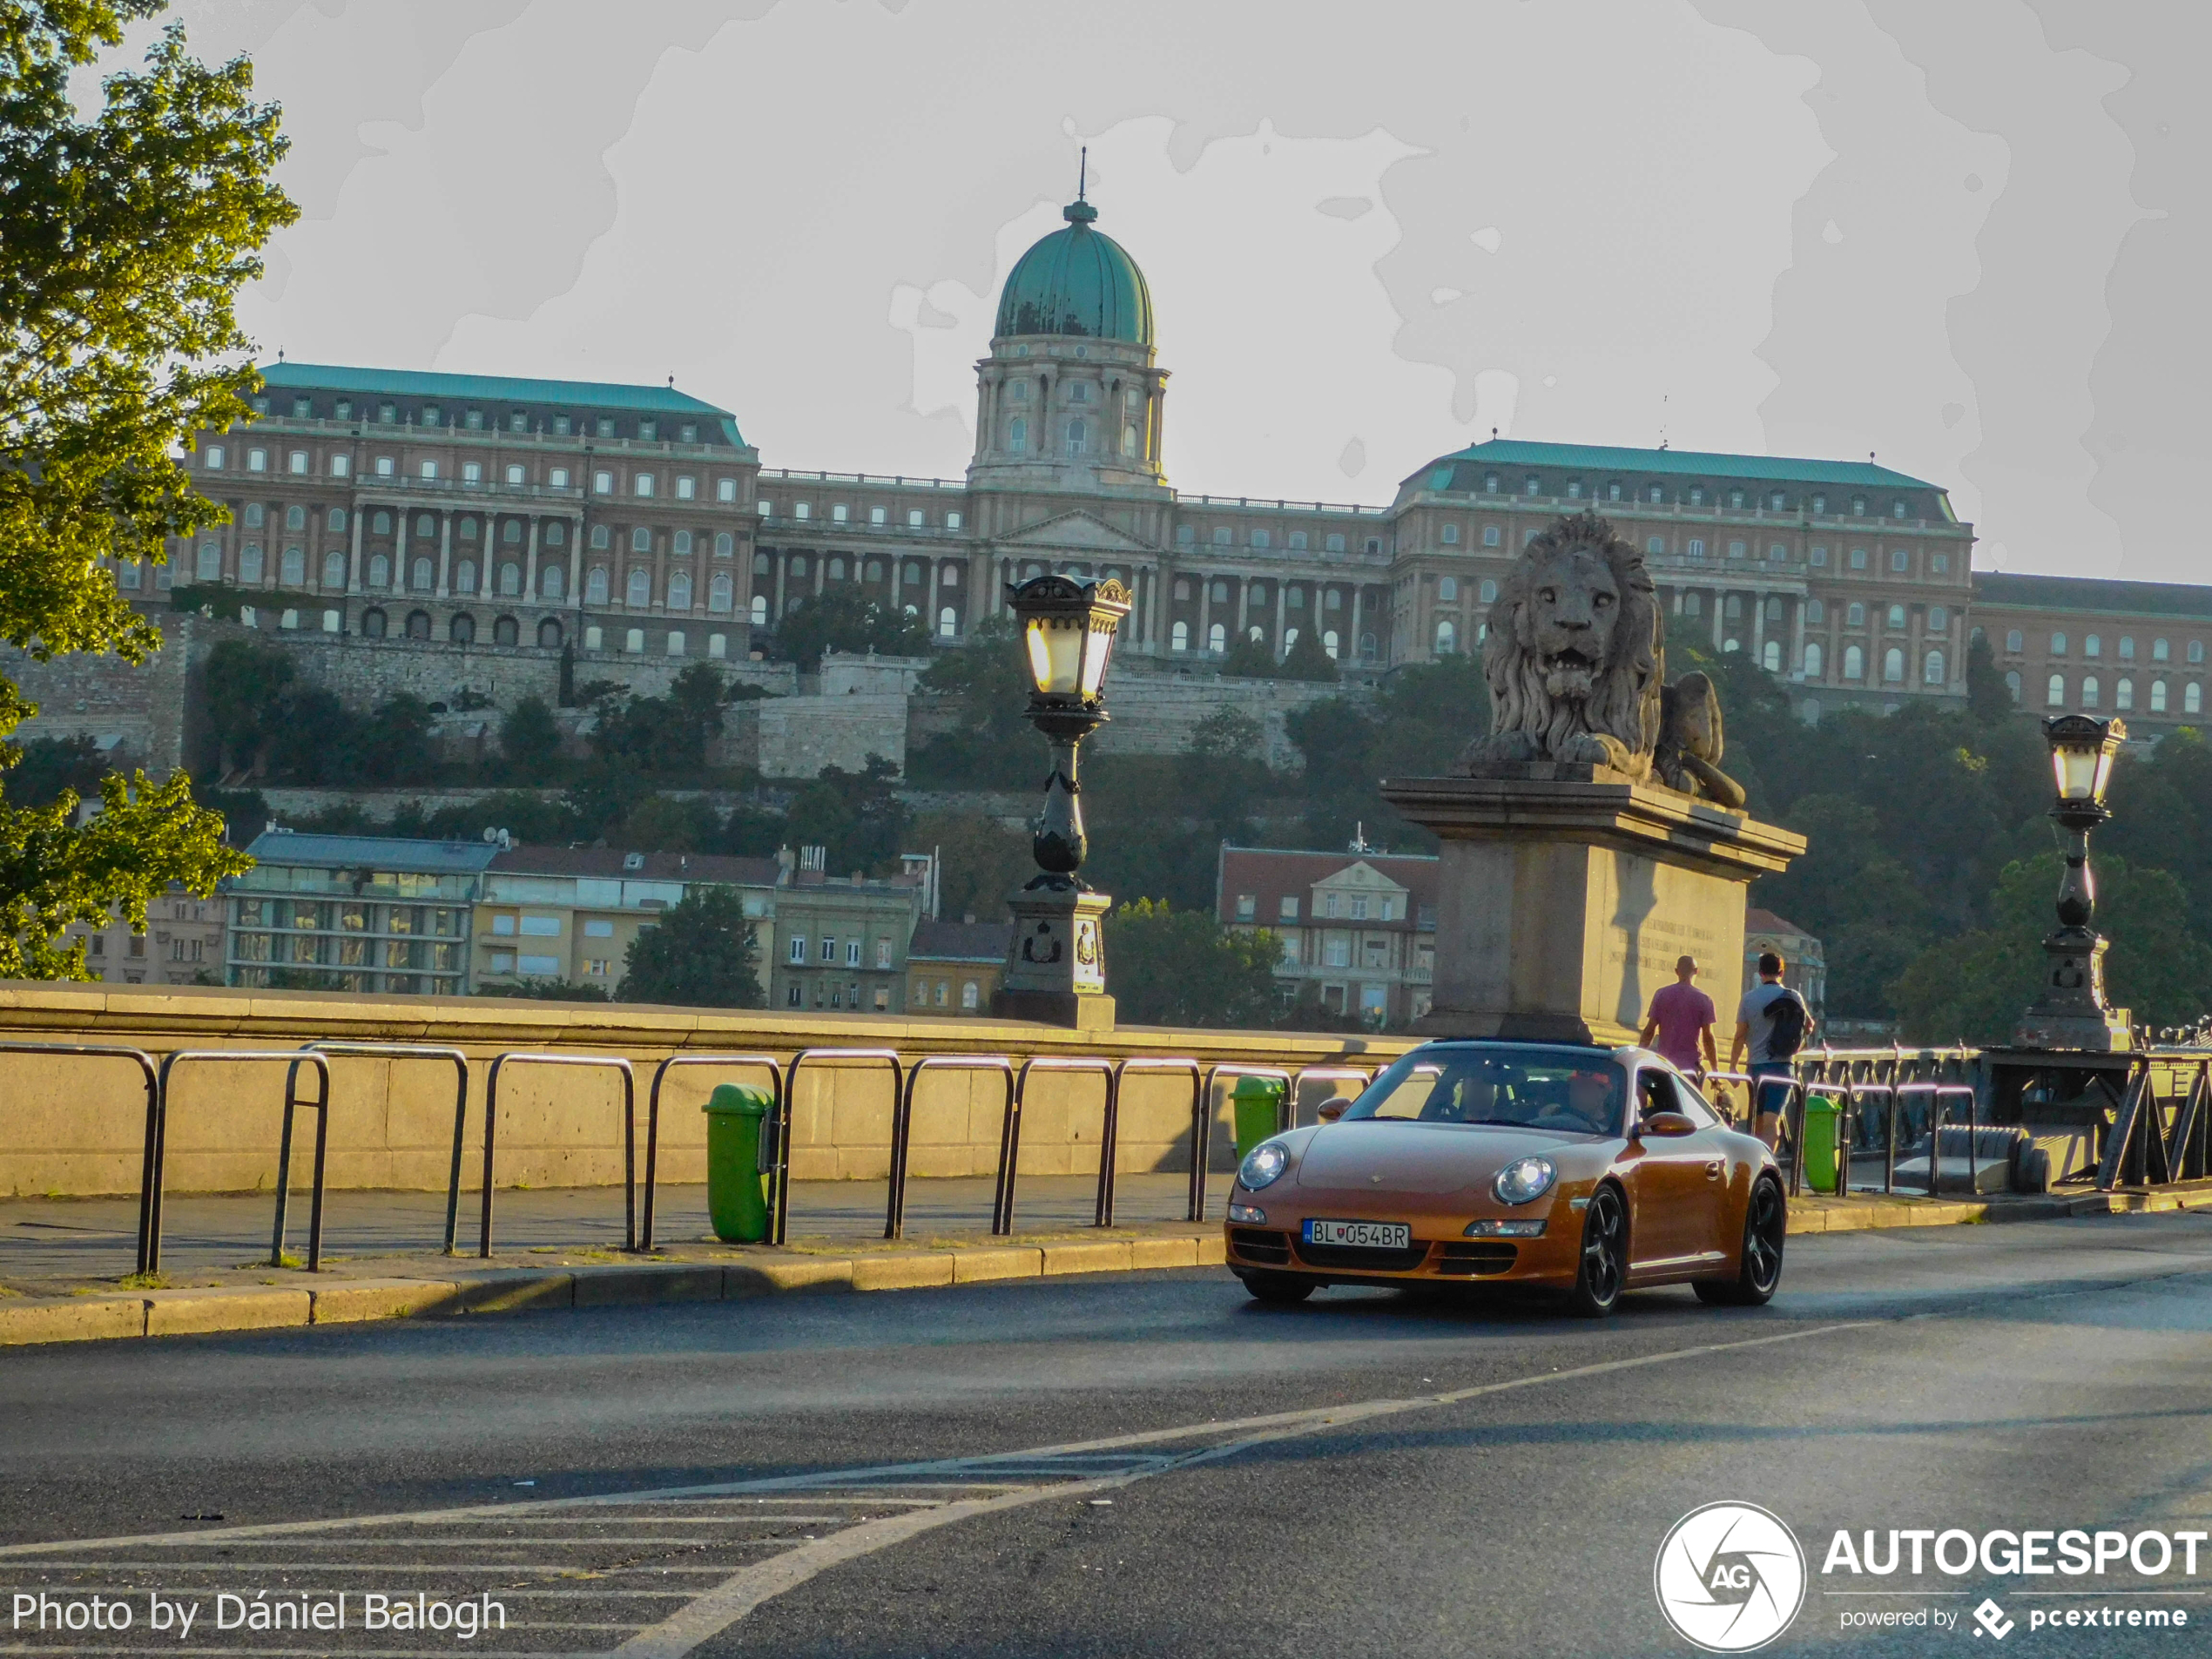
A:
(1589, 1170)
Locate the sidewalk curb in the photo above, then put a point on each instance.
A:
(37, 1320)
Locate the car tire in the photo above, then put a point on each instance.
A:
(1758, 1275)
(1281, 1289)
(1603, 1272)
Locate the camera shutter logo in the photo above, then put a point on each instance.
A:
(1730, 1577)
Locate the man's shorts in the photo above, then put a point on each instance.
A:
(1765, 1077)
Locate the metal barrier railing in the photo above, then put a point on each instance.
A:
(902, 1126)
(149, 1149)
(1937, 1093)
(728, 1062)
(896, 1203)
(1011, 1140)
(1305, 1074)
(1202, 1141)
(424, 1051)
(158, 1174)
(1195, 1204)
(603, 1062)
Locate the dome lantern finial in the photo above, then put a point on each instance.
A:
(1079, 212)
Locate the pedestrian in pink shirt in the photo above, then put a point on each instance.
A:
(1681, 1020)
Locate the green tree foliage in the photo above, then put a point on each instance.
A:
(982, 862)
(1169, 966)
(1248, 658)
(128, 236)
(702, 954)
(1415, 725)
(857, 815)
(1308, 659)
(842, 622)
(1987, 696)
(982, 688)
(1157, 822)
(663, 736)
(531, 741)
(550, 990)
(48, 765)
(1975, 986)
(261, 722)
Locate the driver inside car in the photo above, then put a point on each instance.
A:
(1589, 1107)
(1471, 1099)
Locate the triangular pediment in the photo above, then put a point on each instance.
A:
(1360, 877)
(1076, 532)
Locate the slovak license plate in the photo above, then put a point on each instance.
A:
(1360, 1235)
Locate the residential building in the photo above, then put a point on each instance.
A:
(182, 943)
(953, 967)
(354, 913)
(842, 941)
(572, 912)
(1804, 969)
(1358, 928)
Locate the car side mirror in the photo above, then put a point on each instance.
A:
(1668, 1123)
(1332, 1110)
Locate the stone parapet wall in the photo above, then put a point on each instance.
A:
(73, 1126)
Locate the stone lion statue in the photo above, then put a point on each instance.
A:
(1576, 661)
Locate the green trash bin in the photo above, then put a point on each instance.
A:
(1823, 1125)
(1255, 1107)
(736, 1196)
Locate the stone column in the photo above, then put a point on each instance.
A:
(1797, 636)
(1206, 615)
(1720, 616)
(1280, 598)
(529, 564)
(783, 562)
(897, 581)
(575, 563)
(354, 566)
(1758, 628)
(445, 554)
(399, 554)
(1352, 653)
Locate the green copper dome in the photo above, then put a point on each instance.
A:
(1077, 281)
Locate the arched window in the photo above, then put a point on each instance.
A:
(600, 537)
(296, 518)
(373, 625)
(511, 578)
(640, 592)
(1693, 604)
(837, 570)
(337, 520)
(2013, 685)
(759, 611)
(333, 571)
(1076, 437)
(1217, 639)
(674, 644)
(1179, 637)
(464, 576)
(680, 590)
(1771, 656)
(2158, 696)
(720, 593)
(595, 585)
(724, 545)
(1017, 435)
(1447, 637)
(2092, 646)
(418, 624)
(2058, 645)
(381, 524)
(380, 570)
(2092, 694)
(682, 544)
(294, 567)
(641, 540)
(1931, 669)
(131, 574)
(947, 623)
(2193, 699)
(1815, 660)
(550, 581)
(462, 629)
(1854, 663)
(506, 631)
(2054, 693)
(423, 577)
(1128, 440)
(556, 536)
(633, 639)
(1329, 643)
(549, 634)
(425, 525)
(1893, 666)
(2123, 694)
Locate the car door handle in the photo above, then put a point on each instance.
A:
(1713, 1171)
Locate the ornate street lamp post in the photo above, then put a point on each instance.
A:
(2070, 1011)
(1055, 968)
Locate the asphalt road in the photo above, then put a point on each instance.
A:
(1484, 1477)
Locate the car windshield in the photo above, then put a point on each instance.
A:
(1570, 1091)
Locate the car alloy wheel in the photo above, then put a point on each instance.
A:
(1766, 1224)
(1605, 1255)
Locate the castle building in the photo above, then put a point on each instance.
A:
(614, 522)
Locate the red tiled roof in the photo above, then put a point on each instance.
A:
(608, 861)
(1757, 921)
(1271, 873)
(961, 942)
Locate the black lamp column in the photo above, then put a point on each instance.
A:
(2071, 1012)
(1056, 970)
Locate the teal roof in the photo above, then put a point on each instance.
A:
(494, 388)
(2102, 595)
(1080, 282)
(1594, 458)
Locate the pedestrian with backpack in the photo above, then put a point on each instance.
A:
(1774, 1023)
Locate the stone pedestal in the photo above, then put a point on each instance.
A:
(1055, 968)
(1568, 892)
(2070, 1013)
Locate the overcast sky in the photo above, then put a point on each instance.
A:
(1963, 236)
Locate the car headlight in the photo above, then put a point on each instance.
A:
(1524, 1180)
(1264, 1166)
